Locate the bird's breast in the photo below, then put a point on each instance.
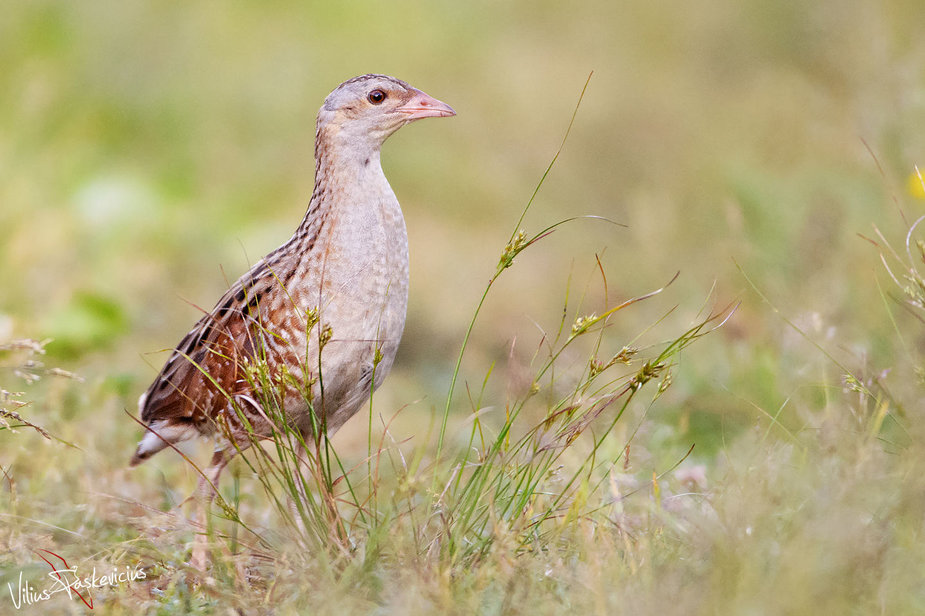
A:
(357, 276)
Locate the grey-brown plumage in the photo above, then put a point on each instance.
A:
(343, 274)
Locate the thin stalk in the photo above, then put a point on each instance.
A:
(465, 343)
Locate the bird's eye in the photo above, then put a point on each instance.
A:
(376, 97)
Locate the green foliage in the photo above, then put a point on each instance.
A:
(90, 321)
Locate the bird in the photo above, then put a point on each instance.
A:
(322, 314)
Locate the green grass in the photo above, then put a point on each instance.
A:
(150, 153)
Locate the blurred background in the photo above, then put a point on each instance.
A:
(150, 151)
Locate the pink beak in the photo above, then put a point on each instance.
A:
(421, 105)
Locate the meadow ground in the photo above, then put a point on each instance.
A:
(588, 463)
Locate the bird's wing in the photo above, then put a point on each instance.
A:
(205, 368)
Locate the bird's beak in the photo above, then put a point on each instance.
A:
(421, 105)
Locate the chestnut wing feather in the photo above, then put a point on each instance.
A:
(220, 340)
(204, 368)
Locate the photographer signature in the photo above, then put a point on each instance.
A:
(65, 579)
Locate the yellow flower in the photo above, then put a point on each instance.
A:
(916, 184)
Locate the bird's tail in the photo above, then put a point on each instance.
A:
(161, 434)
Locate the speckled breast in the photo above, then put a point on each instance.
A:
(358, 285)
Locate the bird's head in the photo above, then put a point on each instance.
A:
(362, 112)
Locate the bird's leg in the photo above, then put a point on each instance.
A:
(205, 493)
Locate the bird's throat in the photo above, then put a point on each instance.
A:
(347, 175)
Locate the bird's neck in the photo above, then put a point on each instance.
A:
(347, 173)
